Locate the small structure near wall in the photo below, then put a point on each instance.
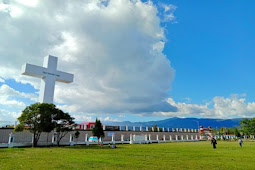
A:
(205, 133)
(91, 125)
(85, 126)
(139, 139)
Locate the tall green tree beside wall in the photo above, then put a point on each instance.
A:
(245, 124)
(98, 130)
(237, 132)
(248, 126)
(44, 117)
(215, 131)
(63, 123)
(76, 135)
(223, 130)
(37, 118)
(155, 127)
(230, 131)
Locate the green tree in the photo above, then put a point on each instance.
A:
(155, 127)
(98, 130)
(237, 132)
(63, 123)
(48, 111)
(214, 131)
(246, 127)
(252, 128)
(37, 118)
(230, 131)
(223, 130)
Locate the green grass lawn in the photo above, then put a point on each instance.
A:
(182, 155)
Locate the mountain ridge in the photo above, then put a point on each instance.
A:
(176, 122)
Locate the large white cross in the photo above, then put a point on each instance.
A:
(49, 75)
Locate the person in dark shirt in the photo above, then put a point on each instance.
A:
(214, 142)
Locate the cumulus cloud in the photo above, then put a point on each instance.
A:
(2, 80)
(218, 107)
(168, 12)
(8, 97)
(114, 49)
(7, 115)
(83, 118)
(9, 101)
(108, 118)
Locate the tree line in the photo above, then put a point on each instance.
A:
(45, 117)
(247, 127)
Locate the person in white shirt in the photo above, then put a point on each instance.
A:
(240, 141)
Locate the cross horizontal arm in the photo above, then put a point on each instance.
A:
(64, 77)
(33, 70)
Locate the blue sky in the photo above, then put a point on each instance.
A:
(132, 60)
(211, 48)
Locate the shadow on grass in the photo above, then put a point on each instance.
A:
(91, 147)
(11, 150)
(62, 146)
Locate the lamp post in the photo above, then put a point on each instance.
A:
(178, 135)
(198, 124)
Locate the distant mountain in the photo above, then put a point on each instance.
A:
(176, 122)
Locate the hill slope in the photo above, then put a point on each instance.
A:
(175, 122)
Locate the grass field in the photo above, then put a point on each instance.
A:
(182, 155)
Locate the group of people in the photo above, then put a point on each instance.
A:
(109, 145)
(113, 146)
(214, 142)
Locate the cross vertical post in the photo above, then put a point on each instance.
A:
(49, 75)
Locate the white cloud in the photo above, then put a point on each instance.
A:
(87, 118)
(187, 99)
(11, 102)
(7, 115)
(219, 107)
(2, 80)
(30, 3)
(168, 12)
(83, 118)
(6, 90)
(108, 118)
(114, 49)
(8, 97)
(5, 97)
(122, 116)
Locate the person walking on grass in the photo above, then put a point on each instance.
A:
(214, 142)
(240, 141)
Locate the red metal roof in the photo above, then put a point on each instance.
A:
(87, 123)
